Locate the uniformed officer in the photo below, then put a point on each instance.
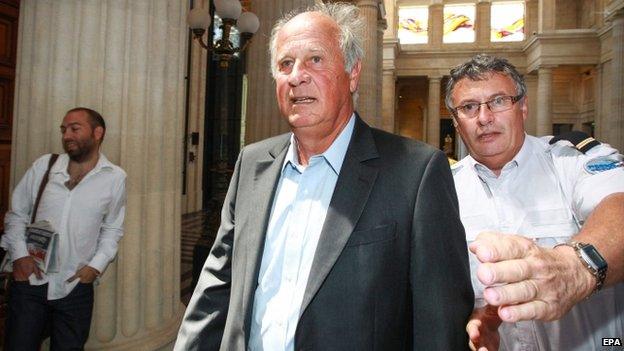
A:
(562, 264)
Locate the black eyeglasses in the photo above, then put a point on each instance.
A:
(497, 104)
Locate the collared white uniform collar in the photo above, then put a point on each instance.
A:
(519, 160)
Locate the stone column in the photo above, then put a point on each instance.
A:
(263, 117)
(392, 19)
(436, 25)
(367, 101)
(381, 27)
(616, 118)
(483, 23)
(544, 102)
(531, 18)
(433, 112)
(389, 100)
(530, 124)
(546, 16)
(125, 59)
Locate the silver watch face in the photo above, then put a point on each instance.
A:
(593, 257)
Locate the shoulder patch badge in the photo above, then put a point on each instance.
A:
(601, 164)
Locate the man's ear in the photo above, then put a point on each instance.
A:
(98, 133)
(525, 107)
(354, 76)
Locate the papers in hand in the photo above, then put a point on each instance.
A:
(42, 245)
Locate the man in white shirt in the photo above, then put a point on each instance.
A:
(543, 284)
(84, 201)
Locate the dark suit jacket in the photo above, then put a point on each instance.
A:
(391, 268)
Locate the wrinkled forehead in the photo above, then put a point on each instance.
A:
(484, 83)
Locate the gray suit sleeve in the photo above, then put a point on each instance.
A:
(439, 269)
(204, 319)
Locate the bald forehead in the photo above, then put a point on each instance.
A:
(310, 21)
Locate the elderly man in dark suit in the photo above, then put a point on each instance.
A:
(336, 236)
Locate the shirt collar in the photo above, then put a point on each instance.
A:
(334, 155)
(521, 158)
(60, 166)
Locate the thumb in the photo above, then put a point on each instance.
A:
(37, 271)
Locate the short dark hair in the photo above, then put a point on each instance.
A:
(476, 69)
(95, 118)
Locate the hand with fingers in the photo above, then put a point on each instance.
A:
(527, 281)
(482, 329)
(86, 275)
(23, 267)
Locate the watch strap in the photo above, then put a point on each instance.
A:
(599, 274)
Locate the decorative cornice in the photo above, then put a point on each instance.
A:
(614, 10)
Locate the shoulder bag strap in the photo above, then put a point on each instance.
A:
(42, 186)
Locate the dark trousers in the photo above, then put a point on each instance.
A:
(31, 315)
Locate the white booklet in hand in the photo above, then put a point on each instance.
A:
(42, 245)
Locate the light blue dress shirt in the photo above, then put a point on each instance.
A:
(297, 218)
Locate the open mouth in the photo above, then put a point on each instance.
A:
(302, 100)
(488, 136)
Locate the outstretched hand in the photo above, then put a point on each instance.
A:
(527, 281)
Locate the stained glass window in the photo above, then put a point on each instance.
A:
(459, 23)
(413, 22)
(507, 21)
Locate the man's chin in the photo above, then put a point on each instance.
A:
(76, 156)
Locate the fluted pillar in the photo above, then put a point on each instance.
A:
(616, 118)
(381, 27)
(388, 100)
(263, 117)
(125, 59)
(433, 112)
(367, 102)
(544, 102)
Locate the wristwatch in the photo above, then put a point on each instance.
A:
(592, 260)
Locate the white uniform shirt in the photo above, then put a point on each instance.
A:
(88, 219)
(544, 193)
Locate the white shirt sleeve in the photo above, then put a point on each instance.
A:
(111, 230)
(590, 189)
(22, 202)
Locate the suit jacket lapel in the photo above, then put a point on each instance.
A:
(267, 174)
(353, 187)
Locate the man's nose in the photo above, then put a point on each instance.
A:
(485, 115)
(298, 75)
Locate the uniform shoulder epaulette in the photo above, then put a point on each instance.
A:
(581, 141)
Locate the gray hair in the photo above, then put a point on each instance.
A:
(476, 69)
(349, 21)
